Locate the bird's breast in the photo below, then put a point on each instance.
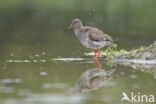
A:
(83, 37)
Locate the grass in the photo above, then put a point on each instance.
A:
(111, 52)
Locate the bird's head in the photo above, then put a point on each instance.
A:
(76, 23)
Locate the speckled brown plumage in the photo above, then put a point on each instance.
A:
(91, 37)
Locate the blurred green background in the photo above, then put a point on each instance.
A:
(33, 30)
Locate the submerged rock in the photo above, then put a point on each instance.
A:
(147, 53)
(151, 57)
(143, 59)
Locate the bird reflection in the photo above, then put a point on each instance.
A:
(95, 58)
(92, 79)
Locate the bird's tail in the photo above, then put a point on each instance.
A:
(110, 44)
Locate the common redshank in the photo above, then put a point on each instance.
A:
(92, 38)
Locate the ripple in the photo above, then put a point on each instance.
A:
(11, 80)
(5, 89)
(92, 53)
(24, 61)
(54, 98)
(133, 76)
(46, 99)
(55, 85)
(18, 61)
(68, 59)
(139, 61)
(43, 73)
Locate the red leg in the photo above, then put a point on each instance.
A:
(94, 57)
(99, 64)
(98, 52)
(95, 53)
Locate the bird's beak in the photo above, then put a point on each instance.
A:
(69, 27)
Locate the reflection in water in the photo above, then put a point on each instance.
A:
(31, 38)
(46, 99)
(95, 57)
(68, 59)
(143, 65)
(43, 60)
(24, 61)
(98, 64)
(92, 79)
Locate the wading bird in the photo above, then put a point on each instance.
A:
(92, 38)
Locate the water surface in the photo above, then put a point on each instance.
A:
(40, 63)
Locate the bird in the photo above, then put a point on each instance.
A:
(91, 37)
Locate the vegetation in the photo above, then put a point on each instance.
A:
(109, 53)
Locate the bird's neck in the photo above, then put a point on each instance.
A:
(78, 33)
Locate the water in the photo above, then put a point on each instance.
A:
(41, 64)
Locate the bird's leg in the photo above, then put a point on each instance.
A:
(98, 52)
(94, 57)
(95, 54)
(99, 64)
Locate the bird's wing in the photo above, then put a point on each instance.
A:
(97, 35)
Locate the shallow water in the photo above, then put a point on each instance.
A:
(40, 63)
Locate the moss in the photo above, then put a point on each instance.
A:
(139, 53)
